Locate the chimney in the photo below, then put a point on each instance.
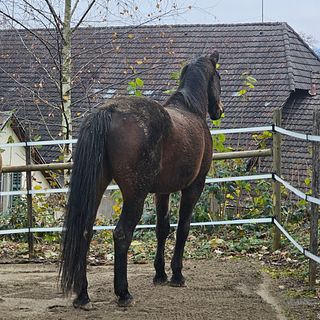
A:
(315, 80)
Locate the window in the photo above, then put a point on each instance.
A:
(16, 181)
(15, 184)
(9, 182)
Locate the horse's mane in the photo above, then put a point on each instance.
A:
(192, 90)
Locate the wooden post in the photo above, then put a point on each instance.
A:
(276, 167)
(29, 202)
(314, 214)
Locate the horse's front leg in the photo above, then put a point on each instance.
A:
(189, 198)
(162, 231)
(122, 235)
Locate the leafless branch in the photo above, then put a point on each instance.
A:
(54, 14)
(58, 21)
(40, 12)
(44, 122)
(29, 90)
(91, 61)
(83, 16)
(124, 80)
(74, 7)
(43, 41)
(48, 49)
(38, 60)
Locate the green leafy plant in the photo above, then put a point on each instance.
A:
(135, 86)
(248, 83)
(47, 212)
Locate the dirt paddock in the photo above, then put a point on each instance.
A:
(232, 289)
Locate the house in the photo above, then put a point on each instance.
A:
(11, 132)
(106, 59)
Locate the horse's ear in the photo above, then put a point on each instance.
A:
(214, 57)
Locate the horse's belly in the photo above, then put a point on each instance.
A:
(172, 178)
(183, 153)
(166, 187)
(179, 167)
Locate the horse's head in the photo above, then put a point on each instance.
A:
(215, 106)
(200, 86)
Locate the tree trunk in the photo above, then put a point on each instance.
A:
(66, 84)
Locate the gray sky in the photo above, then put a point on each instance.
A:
(302, 15)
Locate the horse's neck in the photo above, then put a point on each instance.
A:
(192, 100)
(176, 99)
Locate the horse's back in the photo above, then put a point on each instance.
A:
(154, 148)
(137, 129)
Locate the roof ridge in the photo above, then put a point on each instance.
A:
(189, 25)
(286, 42)
(167, 25)
(302, 40)
(197, 24)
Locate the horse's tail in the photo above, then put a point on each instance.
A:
(88, 171)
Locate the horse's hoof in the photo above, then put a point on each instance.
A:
(83, 305)
(126, 301)
(87, 307)
(180, 283)
(160, 280)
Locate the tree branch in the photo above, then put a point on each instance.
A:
(40, 12)
(74, 7)
(43, 41)
(30, 90)
(83, 16)
(110, 86)
(58, 21)
(38, 60)
(53, 12)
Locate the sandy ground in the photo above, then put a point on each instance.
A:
(232, 289)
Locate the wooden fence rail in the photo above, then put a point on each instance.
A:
(64, 166)
(37, 167)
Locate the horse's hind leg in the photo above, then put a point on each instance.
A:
(82, 300)
(122, 235)
(162, 231)
(189, 198)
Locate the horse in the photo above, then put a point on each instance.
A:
(145, 147)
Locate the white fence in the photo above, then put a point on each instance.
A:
(268, 220)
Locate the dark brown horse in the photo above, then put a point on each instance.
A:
(146, 148)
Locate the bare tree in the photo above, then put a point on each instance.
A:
(47, 29)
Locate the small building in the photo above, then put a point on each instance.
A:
(12, 132)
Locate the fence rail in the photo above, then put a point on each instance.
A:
(275, 176)
(63, 166)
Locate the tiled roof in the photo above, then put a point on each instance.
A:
(298, 116)
(105, 59)
(4, 118)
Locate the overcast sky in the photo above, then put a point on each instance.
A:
(302, 15)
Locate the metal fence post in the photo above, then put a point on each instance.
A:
(276, 186)
(314, 214)
(29, 201)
